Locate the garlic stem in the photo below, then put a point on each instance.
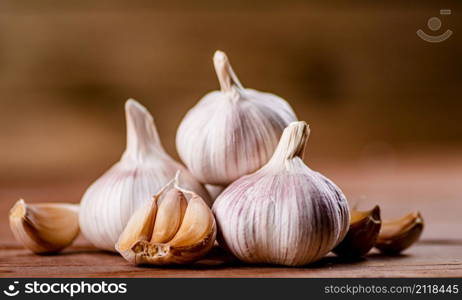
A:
(142, 136)
(292, 143)
(225, 73)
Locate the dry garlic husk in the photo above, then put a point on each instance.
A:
(143, 170)
(362, 234)
(285, 213)
(177, 227)
(44, 227)
(232, 132)
(398, 235)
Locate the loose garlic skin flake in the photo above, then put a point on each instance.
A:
(143, 170)
(232, 132)
(285, 213)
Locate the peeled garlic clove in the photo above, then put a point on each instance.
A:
(232, 132)
(398, 235)
(362, 234)
(181, 233)
(143, 170)
(44, 227)
(285, 213)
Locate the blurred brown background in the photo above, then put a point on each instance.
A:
(382, 103)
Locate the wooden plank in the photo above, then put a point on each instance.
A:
(427, 259)
(433, 189)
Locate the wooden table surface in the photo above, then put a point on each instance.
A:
(431, 186)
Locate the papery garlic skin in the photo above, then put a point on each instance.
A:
(143, 170)
(232, 132)
(285, 213)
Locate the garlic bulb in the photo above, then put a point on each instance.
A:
(144, 168)
(232, 132)
(285, 213)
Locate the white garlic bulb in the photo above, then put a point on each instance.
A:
(285, 213)
(144, 168)
(232, 132)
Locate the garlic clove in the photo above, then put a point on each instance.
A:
(44, 227)
(231, 132)
(398, 235)
(139, 227)
(362, 234)
(285, 213)
(197, 224)
(186, 242)
(170, 216)
(142, 171)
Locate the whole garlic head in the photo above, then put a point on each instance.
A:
(143, 170)
(285, 213)
(232, 132)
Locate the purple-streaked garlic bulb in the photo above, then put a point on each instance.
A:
(285, 213)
